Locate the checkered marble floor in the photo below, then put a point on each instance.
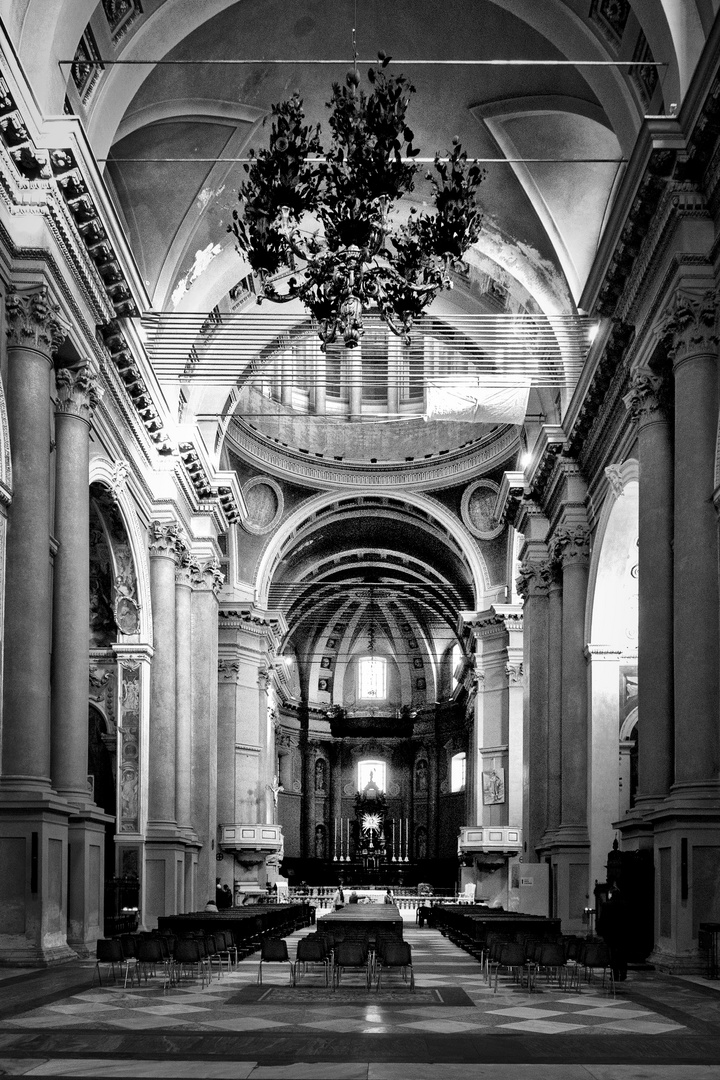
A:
(229, 1031)
(437, 963)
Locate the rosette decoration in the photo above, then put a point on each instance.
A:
(318, 224)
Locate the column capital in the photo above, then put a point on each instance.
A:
(570, 545)
(648, 397)
(208, 577)
(535, 577)
(689, 323)
(164, 539)
(515, 673)
(186, 565)
(33, 320)
(78, 393)
(228, 670)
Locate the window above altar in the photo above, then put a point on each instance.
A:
(372, 678)
(372, 772)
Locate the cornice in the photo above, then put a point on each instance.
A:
(450, 470)
(595, 395)
(512, 488)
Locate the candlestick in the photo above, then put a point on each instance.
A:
(335, 843)
(394, 857)
(407, 838)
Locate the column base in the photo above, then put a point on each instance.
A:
(33, 882)
(687, 868)
(163, 891)
(86, 891)
(571, 891)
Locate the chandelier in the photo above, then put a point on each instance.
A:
(316, 224)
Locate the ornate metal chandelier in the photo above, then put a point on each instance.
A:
(316, 224)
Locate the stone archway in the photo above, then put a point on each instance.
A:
(611, 636)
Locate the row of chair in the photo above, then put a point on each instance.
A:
(173, 958)
(565, 958)
(370, 959)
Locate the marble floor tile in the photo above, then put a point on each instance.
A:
(653, 1072)
(528, 1013)
(244, 1023)
(220, 1070)
(316, 1070)
(453, 1071)
(620, 1014)
(448, 1027)
(348, 1024)
(643, 1027)
(542, 1027)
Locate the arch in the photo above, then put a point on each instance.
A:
(620, 477)
(424, 503)
(106, 472)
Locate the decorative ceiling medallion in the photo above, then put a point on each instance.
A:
(265, 505)
(477, 509)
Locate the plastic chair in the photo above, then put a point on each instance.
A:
(511, 955)
(551, 959)
(596, 955)
(109, 951)
(151, 957)
(274, 951)
(311, 950)
(351, 955)
(396, 955)
(190, 961)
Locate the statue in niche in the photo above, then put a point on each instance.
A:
(421, 843)
(320, 774)
(319, 841)
(421, 777)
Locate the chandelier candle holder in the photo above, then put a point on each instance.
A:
(317, 225)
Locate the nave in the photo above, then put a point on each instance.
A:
(52, 1023)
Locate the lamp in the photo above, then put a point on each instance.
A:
(316, 225)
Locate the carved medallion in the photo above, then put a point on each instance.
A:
(265, 505)
(478, 507)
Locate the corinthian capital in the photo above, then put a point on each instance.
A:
(570, 545)
(208, 577)
(164, 538)
(690, 323)
(648, 395)
(532, 580)
(33, 320)
(78, 392)
(186, 565)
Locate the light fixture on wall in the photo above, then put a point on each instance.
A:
(316, 224)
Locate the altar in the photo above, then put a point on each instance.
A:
(370, 918)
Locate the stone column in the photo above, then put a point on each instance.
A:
(655, 581)
(163, 544)
(433, 781)
(33, 819)
(690, 328)
(34, 334)
(554, 744)
(185, 567)
(534, 587)
(165, 849)
(308, 812)
(227, 708)
(207, 581)
(77, 397)
(335, 795)
(570, 547)
(603, 804)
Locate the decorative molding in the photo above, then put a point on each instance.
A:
(515, 673)
(118, 479)
(33, 320)
(186, 566)
(534, 578)
(78, 392)
(448, 471)
(120, 15)
(616, 480)
(689, 324)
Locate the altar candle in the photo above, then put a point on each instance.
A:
(407, 837)
(393, 846)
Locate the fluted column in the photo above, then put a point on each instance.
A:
(570, 546)
(34, 333)
(185, 566)
(646, 402)
(534, 587)
(77, 397)
(163, 546)
(690, 329)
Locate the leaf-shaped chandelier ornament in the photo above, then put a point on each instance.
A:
(316, 224)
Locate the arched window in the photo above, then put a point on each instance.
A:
(371, 769)
(458, 765)
(457, 655)
(372, 683)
